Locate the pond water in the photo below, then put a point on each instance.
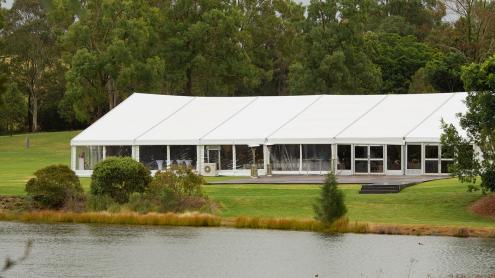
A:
(79, 250)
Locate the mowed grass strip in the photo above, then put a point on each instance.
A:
(443, 202)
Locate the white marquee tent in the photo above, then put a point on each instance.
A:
(353, 134)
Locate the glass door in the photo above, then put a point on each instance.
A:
(368, 159)
(414, 155)
(344, 159)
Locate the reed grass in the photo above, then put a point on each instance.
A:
(342, 225)
(129, 218)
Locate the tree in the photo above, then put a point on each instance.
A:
(206, 47)
(333, 59)
(31, 53)
(110, 55)
(444, 71)
(475, 27)
(399, 57)
(479, 123)
(330, 206)
(13, 111)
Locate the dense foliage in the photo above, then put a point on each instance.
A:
(330, 206)
(72, 61)
(171, 190)
(479, 123)
(54, 187)
(119, 177)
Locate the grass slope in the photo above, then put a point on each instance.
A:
(443, 202)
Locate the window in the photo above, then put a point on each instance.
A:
(316, 157)
(431, 159)
(447, 159)
(368, 156)
(394, 155)
(344, 157)
(154, 157)
(120, 151)
(244, 157)
(361, 152)
(285, 157)
(414, 157)
(183, 156)
(88, 156)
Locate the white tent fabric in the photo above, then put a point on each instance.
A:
(195, 120)
(257, 121)
(324, 119)
(131, 118)
(430, 129)
(146, 119)
(391, 120)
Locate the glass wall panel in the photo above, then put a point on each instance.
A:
(183, 156)
(431, 151)
(431, 166)
(376, 151)
(316, 157)
(88, 156)
(361, 166)
(361, 151)
(413, 156)
(221, 155)
(120, 151)
(344, 157)
(376, 166)
(244, 157)
(394, 156)
(154, 157)
(285, 157)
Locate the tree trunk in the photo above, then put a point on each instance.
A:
(188, 87)
(29, 115)
(35, 113)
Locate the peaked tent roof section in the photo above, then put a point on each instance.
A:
(134, 116)
(147, 119)
(391, 120)
(324, 119)
(196, 119)
(431, 129)
(257, 121)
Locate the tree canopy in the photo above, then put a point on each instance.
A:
(72, 61)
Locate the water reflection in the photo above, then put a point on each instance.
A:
(75, 250)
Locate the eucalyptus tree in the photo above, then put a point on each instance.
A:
(110, 55)
(31, 53)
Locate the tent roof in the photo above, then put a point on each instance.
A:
(131, 118)
(146, 119)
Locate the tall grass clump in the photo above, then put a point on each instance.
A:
(127, 218)
(330, 206)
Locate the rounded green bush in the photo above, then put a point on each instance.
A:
(118, 177)
(54, 186)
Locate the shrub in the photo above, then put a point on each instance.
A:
(171, 190)
(330, 206)
(54, 186)
(118, 177)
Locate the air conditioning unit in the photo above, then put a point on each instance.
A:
(209, 169)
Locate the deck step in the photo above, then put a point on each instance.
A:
(382, 188)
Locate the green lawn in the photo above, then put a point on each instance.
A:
(443, 202)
